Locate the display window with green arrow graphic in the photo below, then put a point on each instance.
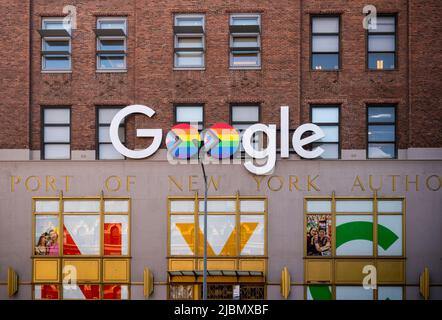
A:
(354, 248)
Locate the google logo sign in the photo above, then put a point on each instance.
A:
(221, 140)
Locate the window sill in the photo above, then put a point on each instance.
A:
(56, 71)
(189, 69)
(111, 71)
(245, 68)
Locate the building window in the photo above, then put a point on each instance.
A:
(190, 114)
(342, 236)
(236, 226)
(56, 133)
(111, 43)
(55, 44)
(381, 132)
(382, 44)
(242, 117)
(327, 118)
(86, 233)
(245, 41)
(189, 41)
(105, 148)
(325, 43)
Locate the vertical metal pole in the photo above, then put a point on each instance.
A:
(205, 235)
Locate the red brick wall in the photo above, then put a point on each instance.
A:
(285, 78)
(14, 74)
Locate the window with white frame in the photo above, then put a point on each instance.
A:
(111, 43)
(189, 41)
(193, 114)
(55, 44)
(325, 43)
(245, 41)
(327, 118)
(242, 117)
(106, 150)
(56, 135)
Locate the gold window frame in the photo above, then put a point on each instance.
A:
(100, 259)
(374, 259)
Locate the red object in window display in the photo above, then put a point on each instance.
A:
(112, 292)
(70, 248)
(113, 239)
(89, 291)
(49, 292)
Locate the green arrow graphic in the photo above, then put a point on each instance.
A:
(320, 292)
(363, 230)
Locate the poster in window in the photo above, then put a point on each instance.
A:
(318, 237)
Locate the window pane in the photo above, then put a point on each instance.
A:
(116, 235)
(188, 21)
(381, 61)
(245, 59)
(182, 206)
(319, 235)
(112, 24)
(188, 42)
(47, 206)
(331, 150)
(56, 62)
(189, 114)
(221, 235)
(108, 152)
(46, 235)
(325, 61)
(54, 24)
(354, 206)
(245, 42)
(111, 62)
(319, 292)
(82, 292)
(46, 292)
(252, 206)
(115, 292)
(55, 45)
(56, 134)
(252, 235)
(381, 114)
(354, 235)
(389, 206)
(116, 206)
(381, 43)
(56, 116)
(390, 293)
(381, 133)
(182, 235)
(331, 134)
(106, 115)
(325, 115)
(181, 291)
(218, 206)
(353, 293)
(111, 44)
(384, 24)
(189, 59)
(244, 21)
(325, 24)
(81, 235)
(104, 134)
(57, 151)
(81, 206)
(381, 150)
(319, 206)
(325, 44)
(245, 113)
(390, 235)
